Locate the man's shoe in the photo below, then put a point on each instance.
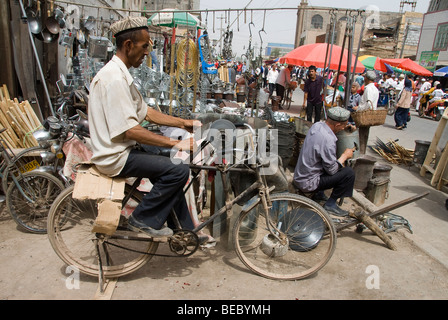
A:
(336, 211)
(320, 196)
(138, 226)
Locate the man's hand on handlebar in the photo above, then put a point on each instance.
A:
(190, 125)
(186, 145)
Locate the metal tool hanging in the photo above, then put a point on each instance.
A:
(328, 54)
(228, 36)
(250, 51)
(206, 56)
(363, 25)
(347, 26)
(348, 77)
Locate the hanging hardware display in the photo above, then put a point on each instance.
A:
(206, 55)
(227, 47)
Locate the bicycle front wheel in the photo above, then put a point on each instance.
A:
(305, 242)
(42, 189)
(70, 223)
(25, 161)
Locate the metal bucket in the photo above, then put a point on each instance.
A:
(377, 190)
(381, 171)
(347, 140)
(363, 171)
(421, 149)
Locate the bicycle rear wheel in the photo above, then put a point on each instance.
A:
(286, 102)
(42, 188)
(70, 224)
(307, 233)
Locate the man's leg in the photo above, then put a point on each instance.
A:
(342, 183)
(317, 111)
(309, 112)
(280, 91)
(168, 182)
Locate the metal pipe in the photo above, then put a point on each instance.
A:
(359, 43)
(44, 83)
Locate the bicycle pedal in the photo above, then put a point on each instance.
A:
(141, 235)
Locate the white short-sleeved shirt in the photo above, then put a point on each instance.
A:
(369, 99)
(115, 106)
(284, 77)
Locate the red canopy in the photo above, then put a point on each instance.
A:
(408, 65)
(314, 54)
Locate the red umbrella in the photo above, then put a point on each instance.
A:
(314, 54)
(409, 65)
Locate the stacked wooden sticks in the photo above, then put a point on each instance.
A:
(393, 152)
(19, 120)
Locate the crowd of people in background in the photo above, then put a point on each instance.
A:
(407, 90)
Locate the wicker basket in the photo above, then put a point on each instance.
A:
(368, 118)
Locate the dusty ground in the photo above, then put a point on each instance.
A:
(361, 268)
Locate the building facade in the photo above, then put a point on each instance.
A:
(434, 35)
(385, 34)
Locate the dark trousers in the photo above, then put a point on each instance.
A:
(341, 182)
(271, 88)
(313, 107)
(401, 117)
(280, 90)
(168, 181)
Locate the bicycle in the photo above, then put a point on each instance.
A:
(30, 195)
(277, 235)
(287, 99)
(391, 102)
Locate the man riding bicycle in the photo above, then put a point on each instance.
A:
(120, 144)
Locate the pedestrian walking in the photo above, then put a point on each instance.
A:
(312, 99)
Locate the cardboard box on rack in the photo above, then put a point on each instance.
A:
(90, 184)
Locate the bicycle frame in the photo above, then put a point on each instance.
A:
(263, 192)
(263, 195)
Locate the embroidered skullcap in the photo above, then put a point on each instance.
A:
(128, 24)
(338, 114)
(401, 76)
(371, 75)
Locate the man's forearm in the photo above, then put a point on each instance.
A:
(144, 136)
(164, 119)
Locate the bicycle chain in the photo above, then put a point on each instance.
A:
(180, 242)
